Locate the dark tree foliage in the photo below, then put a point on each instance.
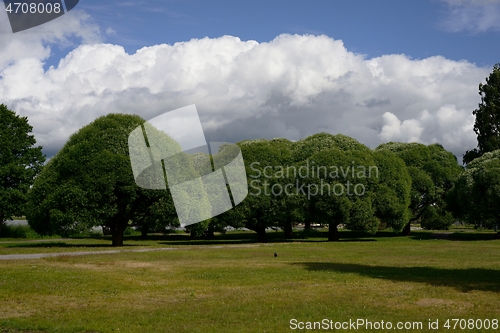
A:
(90, 183)
(487, 125)
(20, 162)
(154, 212)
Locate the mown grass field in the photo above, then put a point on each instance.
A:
(236, 285)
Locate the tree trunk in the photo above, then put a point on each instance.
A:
(210, 234)
(333, 232)
(261, 234)
(144, 233)
(407, 230)
(117, 239)
(311, 214)
(117, 232)
(288, 230)
(307, 225)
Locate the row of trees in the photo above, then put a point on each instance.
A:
(393, 185)
(327, 179)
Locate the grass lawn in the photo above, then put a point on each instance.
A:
(237, 285)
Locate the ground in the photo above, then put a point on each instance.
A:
(235, 285)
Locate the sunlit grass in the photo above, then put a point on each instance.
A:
(244, 288)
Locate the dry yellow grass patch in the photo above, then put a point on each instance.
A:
(438, 302)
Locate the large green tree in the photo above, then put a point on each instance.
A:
(487, 124)
(89, 182)
(263, 207)
(286, 207)
(393, 193)
(342, 182)
(341, 197)
(433, 171)
(306, 148)
(476, 195)
(20, 162)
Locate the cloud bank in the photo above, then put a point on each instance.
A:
(292, 86)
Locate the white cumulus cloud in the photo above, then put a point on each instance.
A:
(34, 43)
(292, 86)
(447, 125)
(408, 130)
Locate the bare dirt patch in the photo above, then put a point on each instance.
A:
(113, 265)
(7, 313)
(438, 302)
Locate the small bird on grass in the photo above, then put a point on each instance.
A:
(275, 254)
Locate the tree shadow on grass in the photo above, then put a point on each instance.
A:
(454, 236)
(246, 238)
(60, 244)
(421, 236)
(472, 236)
(347, 240)
(209, 242)
(185, 239)
(255, 241)
(463, 280)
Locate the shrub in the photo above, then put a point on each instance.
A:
(18, 231)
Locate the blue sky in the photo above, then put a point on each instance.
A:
(416, 28)
(379, 71)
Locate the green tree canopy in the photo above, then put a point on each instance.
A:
(487, 124)
(262, 208)
(341, 190)
(476, 195)
(305, 148)
(90, 182)
(20, 162)
(326, 179)
(393, 193)
(433, 171)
